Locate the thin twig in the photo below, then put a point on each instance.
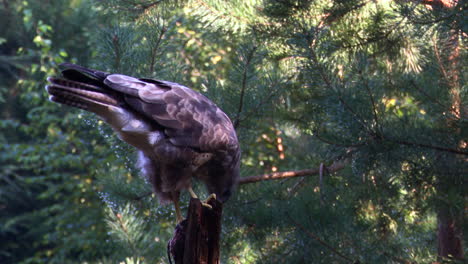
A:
(149, 5)
(322, 169)
(138, 198)
(407, 143)
(296, 186)
(439, 61)
(327, 19)
(374, 107)
(434, 21)
(154, 51)
(243, 86)
(264, 101)
(413, 83)
(316, 135)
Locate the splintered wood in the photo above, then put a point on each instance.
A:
(196, 239)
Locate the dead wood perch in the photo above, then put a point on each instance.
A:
(196, 239)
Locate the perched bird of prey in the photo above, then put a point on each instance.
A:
(179, 133)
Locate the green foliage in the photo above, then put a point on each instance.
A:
(370, 83)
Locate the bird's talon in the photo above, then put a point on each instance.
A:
(179, 219)
(192, 193)
(207, 205)
(212, 196)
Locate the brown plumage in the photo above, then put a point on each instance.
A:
(179, 133)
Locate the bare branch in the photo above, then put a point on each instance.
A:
(334, 167)
(322, 168)
(155, 48)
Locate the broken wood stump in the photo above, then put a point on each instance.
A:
(196, 239)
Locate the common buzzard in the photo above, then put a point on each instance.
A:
(179, 133)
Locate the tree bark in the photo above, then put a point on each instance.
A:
(196, 239)
(449, 235)
(449, 217)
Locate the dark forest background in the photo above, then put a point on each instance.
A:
(369, 96)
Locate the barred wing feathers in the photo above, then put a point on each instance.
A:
(189, 118)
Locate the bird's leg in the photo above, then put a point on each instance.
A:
(211, 196)
(194, 196)
(175, 200)
(192, 193)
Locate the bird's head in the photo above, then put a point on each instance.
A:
(223, 182)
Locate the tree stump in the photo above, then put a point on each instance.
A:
(196, 239)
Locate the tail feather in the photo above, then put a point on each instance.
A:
(78, 94)
(74, 102)
(81, 74)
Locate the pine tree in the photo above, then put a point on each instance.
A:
(50, 209)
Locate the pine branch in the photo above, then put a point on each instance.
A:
(323, 243)
(217, 13)
(434, 21)
(150, 5)
(380, 37)
(138, 198)
(121, 225)
(328, 19)
(335, 166)
(399, 259)
(330, 85)
(140, 7)
(275, 89)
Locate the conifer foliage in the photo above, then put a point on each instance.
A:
(377, 88)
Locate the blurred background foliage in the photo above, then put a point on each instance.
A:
(377, 85)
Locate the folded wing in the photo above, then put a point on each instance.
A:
(188, 117)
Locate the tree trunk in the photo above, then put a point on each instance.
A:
(449, 235)
(196, 239)
(449, 217)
